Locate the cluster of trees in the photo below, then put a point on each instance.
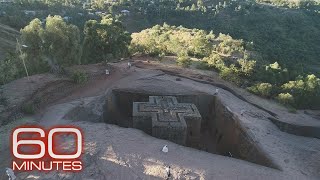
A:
(14, 15)
(222, 52)
(49, 2)
(54, 45)
(172, 40)
(275, 82)
(292, 4)
(57, 44)
(234, 63)
(275, 33)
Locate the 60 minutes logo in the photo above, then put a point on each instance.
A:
(35, 148)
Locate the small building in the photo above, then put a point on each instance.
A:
(125, 12)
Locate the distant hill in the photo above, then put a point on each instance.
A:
(8, 37)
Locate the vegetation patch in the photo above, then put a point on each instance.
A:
(262, 89)
(79, 77)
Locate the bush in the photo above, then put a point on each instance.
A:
(28, 108)
(262, 89)
(305, 90)
(183, 61)
(203, 65)
(79, 77)
(215, 61)
(285, 98)
(8, 68)
(247, 66)
(230, 74)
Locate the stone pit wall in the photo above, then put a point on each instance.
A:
(227, 135)
(232, 137)
(119, 104)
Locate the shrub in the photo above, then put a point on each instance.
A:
(79, 77)
(215, 61)
(8, 68)
(230, 74)
(305, 90)
(28, 108)
(247, 66)
(262, 89)
(183, 60)
(203, 65)
(285, 98)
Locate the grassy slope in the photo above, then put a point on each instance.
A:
(7, 39)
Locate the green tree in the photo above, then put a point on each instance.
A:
(285, 98)
(305, 90)
(200, 3)
(98, 4)
(9, 69)
(104, 40)
(33, 47)
(214, 60)
(56, 45)
(247, 66)
(262, 89)
(61, 42)
(193, 7)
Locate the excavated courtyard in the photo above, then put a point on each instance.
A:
(238, 138)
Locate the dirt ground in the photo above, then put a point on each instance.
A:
(112, 152)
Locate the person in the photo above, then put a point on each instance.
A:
(129, 65)
(165, 149)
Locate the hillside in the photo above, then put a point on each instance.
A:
(7, 39)
(287, 35)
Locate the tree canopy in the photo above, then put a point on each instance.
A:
(104, 40)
